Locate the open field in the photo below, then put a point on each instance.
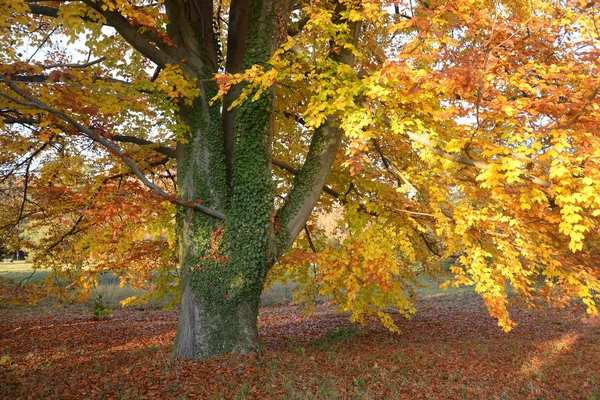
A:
(450, 350)
(20, 270)
(108, 285)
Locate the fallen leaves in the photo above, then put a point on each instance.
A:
(451, 349)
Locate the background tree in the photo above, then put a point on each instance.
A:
(468, 128)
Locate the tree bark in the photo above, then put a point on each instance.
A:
(224, 263)
(204, 332)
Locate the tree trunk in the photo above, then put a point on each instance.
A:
(226, 162)
(206, 331)
(224, 264)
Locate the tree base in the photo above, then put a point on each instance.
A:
(206, 332)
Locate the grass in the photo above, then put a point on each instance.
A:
(108, 284)
(277, 295)
(430, 288)
(21, 270)
(113, 294)
(282, 294)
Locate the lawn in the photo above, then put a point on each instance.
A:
(451, 349)
(21, 270)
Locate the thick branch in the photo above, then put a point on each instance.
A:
(287, 167)
(167, 151)
(142, 42)
(43, 10)
(310, 180)
(191, 29)
(101, 139)
(236, 49)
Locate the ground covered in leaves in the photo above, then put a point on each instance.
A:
(451, 349)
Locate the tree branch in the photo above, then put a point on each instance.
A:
(435, 149)
(287, 167)
(84, 65)
(165, 150)
(142, 42)
(294, 30)
(311, 178)
(310, 242)
(101, 139)
(400, 176)
(239, 16)
(43, 10)
(41, 78)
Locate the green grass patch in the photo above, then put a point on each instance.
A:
(108, 286)
(113, 294)
(22, 270)
(278, 294)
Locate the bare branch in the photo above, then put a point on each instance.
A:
(167, 151)
(310, 242)
(400, 176)
(27, 161)
(430, 246)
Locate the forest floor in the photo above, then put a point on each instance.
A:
(451, 349)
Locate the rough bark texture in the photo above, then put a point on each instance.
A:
(204, 332)
(224, 264)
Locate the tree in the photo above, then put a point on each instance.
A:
(466, 128)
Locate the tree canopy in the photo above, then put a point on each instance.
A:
(391, 134)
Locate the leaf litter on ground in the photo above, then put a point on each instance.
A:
(451, 349)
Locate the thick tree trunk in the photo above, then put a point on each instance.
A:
(227, 165)
(224, 263)
(206, 331)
